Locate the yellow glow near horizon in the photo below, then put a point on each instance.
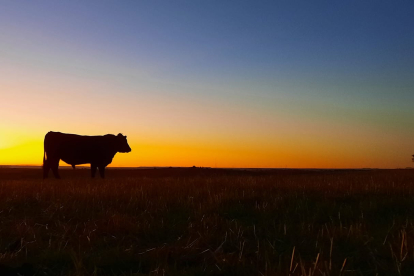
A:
(291, 153)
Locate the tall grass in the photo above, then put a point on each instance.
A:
(208, 222)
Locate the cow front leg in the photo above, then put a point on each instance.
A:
(102, 171)
(93, 170)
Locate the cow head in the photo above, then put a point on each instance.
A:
(122, 143)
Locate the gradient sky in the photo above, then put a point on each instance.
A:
(300, 84)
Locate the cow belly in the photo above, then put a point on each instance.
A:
(75, 161)
(78, 160)
(76, 157)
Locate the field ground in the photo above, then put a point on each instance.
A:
(207, 222)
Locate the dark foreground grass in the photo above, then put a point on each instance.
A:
(207, 222)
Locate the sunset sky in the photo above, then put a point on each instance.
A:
(297, 84)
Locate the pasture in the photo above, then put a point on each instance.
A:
(207, 222)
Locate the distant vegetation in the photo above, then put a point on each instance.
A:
(207, 222)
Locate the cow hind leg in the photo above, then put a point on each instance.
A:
(46, 168)
(93, 170)
(102, 171)
(54, 165)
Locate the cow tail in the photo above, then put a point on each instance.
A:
(44, 155)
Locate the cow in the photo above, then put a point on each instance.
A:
(78, 149)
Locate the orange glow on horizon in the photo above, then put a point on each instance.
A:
(288, 154)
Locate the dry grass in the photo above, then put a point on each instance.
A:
(207, 222)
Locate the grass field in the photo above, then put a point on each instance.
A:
(207, 222)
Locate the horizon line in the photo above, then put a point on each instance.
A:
(202, 167)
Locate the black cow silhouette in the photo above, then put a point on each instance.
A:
(77, 149)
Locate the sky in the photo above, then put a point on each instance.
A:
(268, 84)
